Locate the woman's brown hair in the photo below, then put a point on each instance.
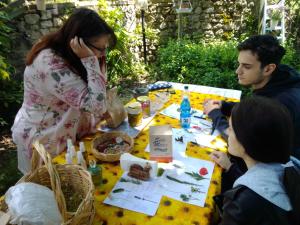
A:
(84, 23)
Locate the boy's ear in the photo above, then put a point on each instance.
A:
(269, 69)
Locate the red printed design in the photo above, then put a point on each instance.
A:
(203, 171)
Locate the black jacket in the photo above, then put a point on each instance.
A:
(284, 86)
(242, 206)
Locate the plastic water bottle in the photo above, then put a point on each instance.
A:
(185, 109)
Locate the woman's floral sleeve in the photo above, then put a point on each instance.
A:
(70, 88)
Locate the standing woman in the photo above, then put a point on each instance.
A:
(64, 85)
(260, 132)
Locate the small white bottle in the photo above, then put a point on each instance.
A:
(80, 160)
(68, 158)
(69, 144)
(83, 151)
(73, 154)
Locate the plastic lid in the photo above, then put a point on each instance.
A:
(134, 108)
(142, 90)
(143, 98)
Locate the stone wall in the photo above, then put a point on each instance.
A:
(209, 19)
(31, 26)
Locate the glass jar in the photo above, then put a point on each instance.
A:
(134, 111)
(145, 102)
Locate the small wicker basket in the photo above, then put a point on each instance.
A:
(107, 136)
(57, 178)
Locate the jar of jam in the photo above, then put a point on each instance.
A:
(145, 102)
(135, 115)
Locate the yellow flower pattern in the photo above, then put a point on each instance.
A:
(170, 211)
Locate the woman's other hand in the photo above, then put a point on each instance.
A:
(222, 159)
(210, 105)
(80, 49)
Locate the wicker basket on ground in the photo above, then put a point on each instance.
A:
(111, 157)
(71, 184)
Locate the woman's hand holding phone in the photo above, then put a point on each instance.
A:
(80, 49)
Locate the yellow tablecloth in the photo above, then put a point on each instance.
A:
(170, 211)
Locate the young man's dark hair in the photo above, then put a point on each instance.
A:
(268, 137)
(266, 47)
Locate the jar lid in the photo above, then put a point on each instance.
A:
(134, 108)
(142, 90)
(143, 98)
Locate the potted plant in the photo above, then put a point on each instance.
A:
(275, 17)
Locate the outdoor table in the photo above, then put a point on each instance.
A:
(170, 211)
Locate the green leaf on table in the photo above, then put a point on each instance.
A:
(184, 197)
(194, 190)
(181, 181)
(130, 180)
(160, 172)
(194, 175)
(118, 190)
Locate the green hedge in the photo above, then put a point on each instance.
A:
(211, 64)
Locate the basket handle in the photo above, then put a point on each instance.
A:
(54, 177)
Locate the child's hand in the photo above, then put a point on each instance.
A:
(80, 49)
(222, 159)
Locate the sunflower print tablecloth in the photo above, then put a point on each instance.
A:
(170, 211)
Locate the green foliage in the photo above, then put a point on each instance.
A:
(151, 35)
(291, 57)
(293, 34)
(11, 91)
(5, 46)
(11, 96)
(210, 64)
(275, 14)
(122, 63)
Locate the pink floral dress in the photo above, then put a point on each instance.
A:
(57, 105)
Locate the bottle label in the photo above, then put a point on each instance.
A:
(186, 120)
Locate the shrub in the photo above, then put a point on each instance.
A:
(122, 63)
(210, 64)
(291, 56)
(11, 91)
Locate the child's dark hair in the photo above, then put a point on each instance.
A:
(264, 128)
